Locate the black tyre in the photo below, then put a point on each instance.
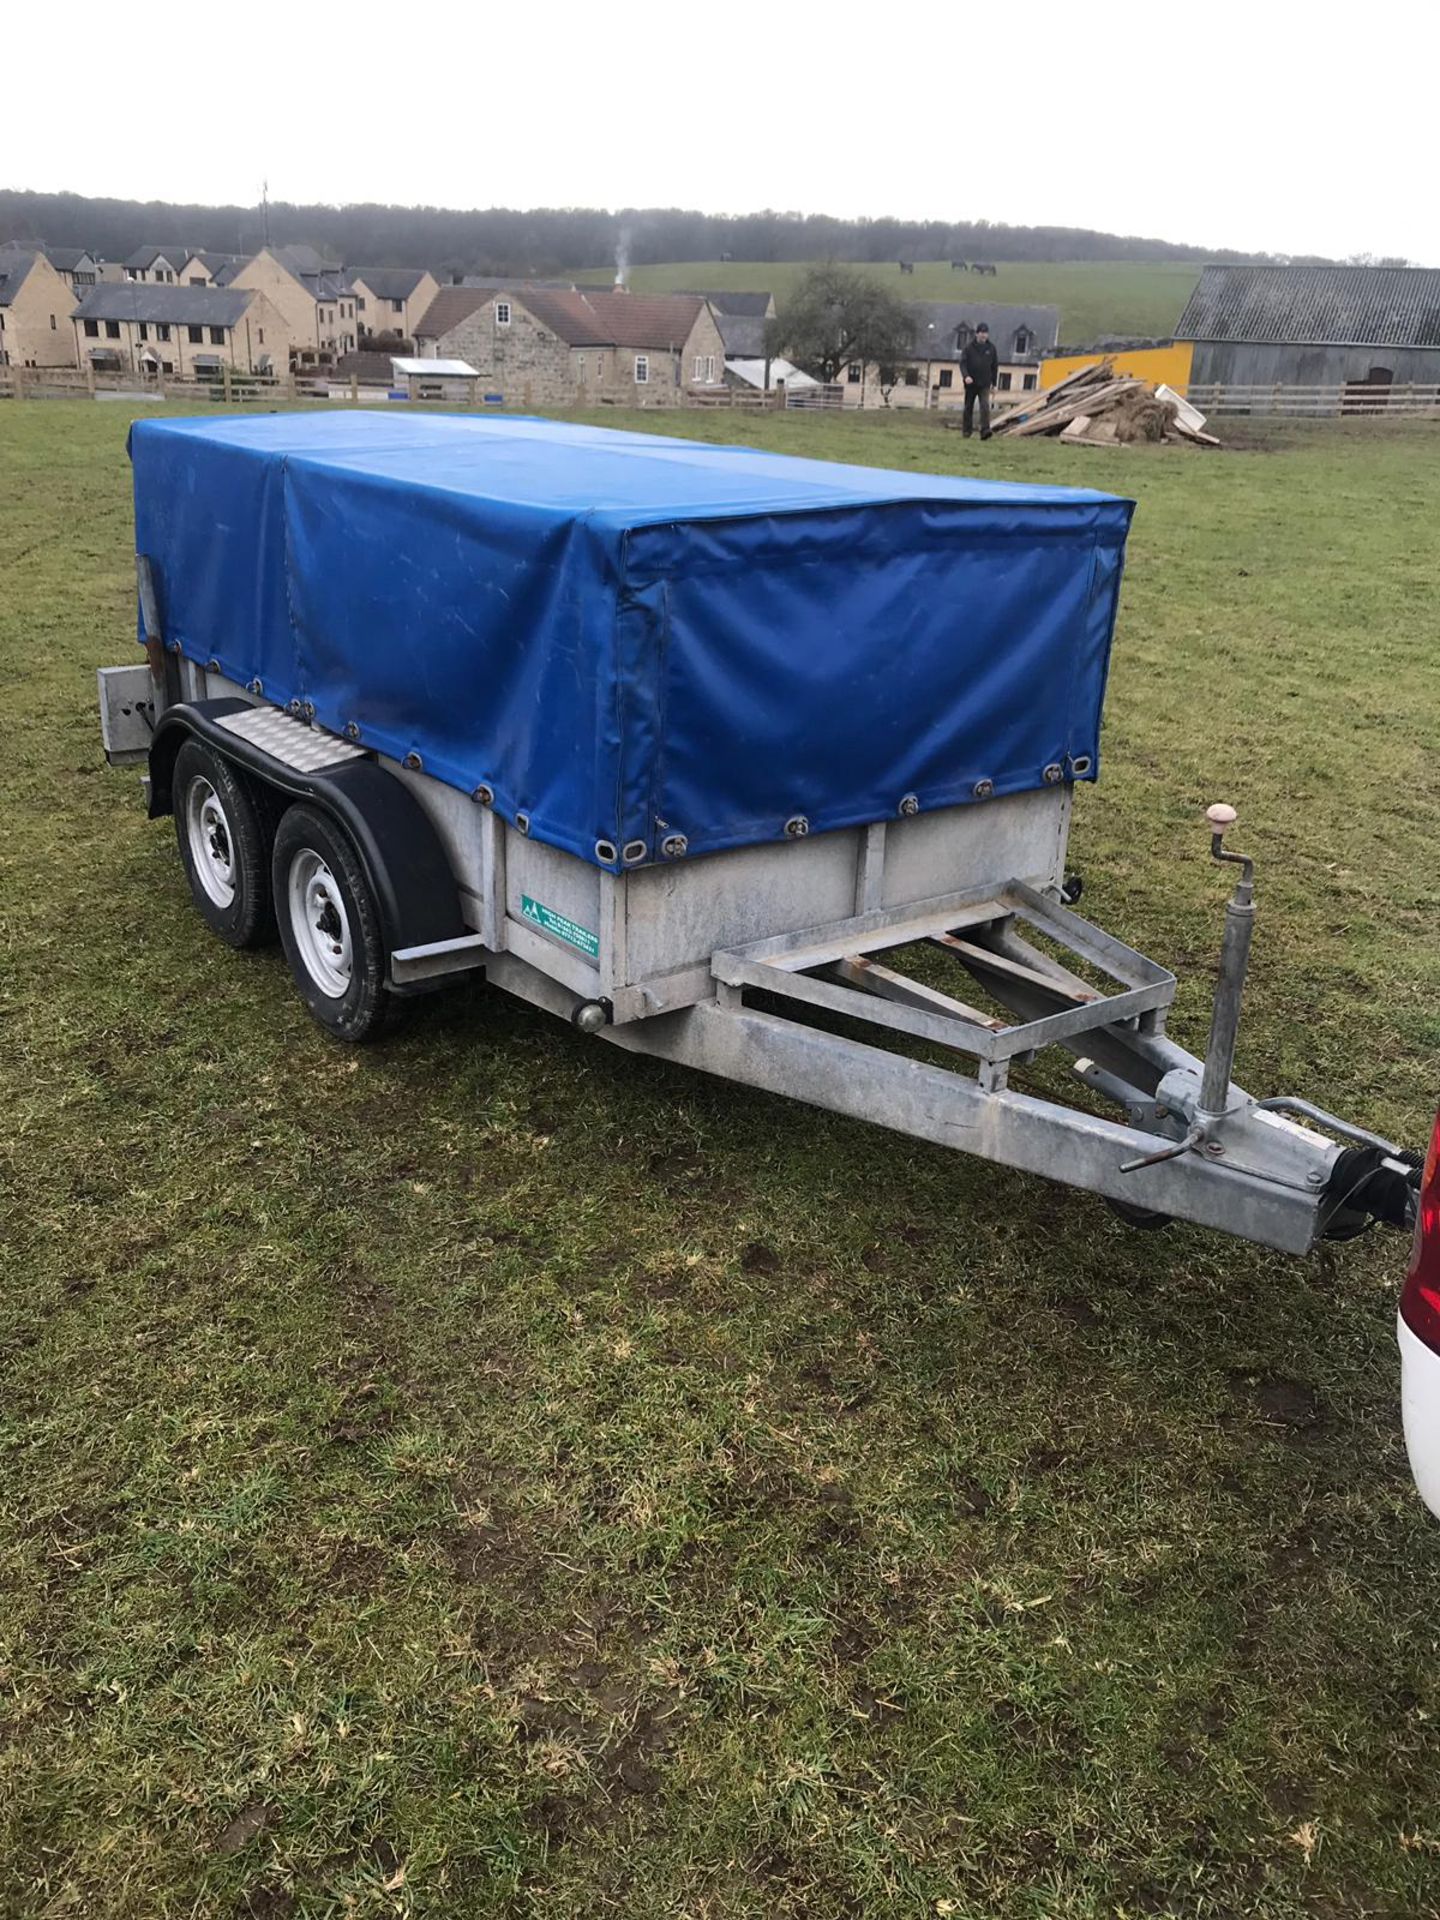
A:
(224, 832)
(329, 924)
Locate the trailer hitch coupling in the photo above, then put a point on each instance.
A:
(1214, 1100)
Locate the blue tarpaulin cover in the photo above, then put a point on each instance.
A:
(628, 637)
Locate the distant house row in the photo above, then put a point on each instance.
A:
(179, 311)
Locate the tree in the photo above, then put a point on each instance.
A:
(836, 316)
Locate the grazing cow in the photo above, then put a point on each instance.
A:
(907, 266)
(981, 266)
(959, 266)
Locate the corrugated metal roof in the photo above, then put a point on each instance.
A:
(435, 369)
(1316, 306)
(161, 302)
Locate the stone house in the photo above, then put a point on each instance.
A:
(76, 266)
(204, 268)
(314, 297)
(392, 299)
(930, 375)
(156, 266)
(572, 346)
(35, 308)
(742, 319)
(190, 332)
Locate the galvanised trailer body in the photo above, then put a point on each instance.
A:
(684, 742)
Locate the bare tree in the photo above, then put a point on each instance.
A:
(837, 316)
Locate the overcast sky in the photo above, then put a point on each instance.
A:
(1283, 128)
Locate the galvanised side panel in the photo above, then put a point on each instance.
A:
(1020, 837)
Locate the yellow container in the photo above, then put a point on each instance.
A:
(1169, 364)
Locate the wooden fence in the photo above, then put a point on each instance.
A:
(1358, 400)
(228, 386)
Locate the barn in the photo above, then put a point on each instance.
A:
(1314, 326)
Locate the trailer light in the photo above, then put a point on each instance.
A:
(1420, 1296)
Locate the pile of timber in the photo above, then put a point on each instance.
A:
(1103, 408)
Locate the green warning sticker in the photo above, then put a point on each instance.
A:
(564, 929)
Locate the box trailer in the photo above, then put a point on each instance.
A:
(696, 747)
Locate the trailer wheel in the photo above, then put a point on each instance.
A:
(330, 924)
(224, 844)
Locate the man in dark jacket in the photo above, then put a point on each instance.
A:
(979, 365)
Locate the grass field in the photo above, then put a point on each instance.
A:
(1138, 298)
(489, 1475)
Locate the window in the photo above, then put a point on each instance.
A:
(397, 306)
(947, 377)
(502, 313)
(642, 369)
(52, 323)
(912, 376)
(261, 332)
(92, 329)
(112, 329)
(1003, 383)
(197, 279)
(360, 302)
(699, 366)
(196, 336)
(963, 336)
(217, 336)
(710, 368)
(1022, 340)
(167, 366)
(852, 373)
(144, 331)
(162, 330)
(1028, 383)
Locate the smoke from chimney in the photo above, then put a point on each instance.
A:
(622, 261)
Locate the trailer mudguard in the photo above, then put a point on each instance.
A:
(406, 864)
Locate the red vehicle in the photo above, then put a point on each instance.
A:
(1419, 1331)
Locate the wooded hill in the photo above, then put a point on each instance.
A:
(546, 240)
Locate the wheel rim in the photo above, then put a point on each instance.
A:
(212, 842)
(319, 923)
